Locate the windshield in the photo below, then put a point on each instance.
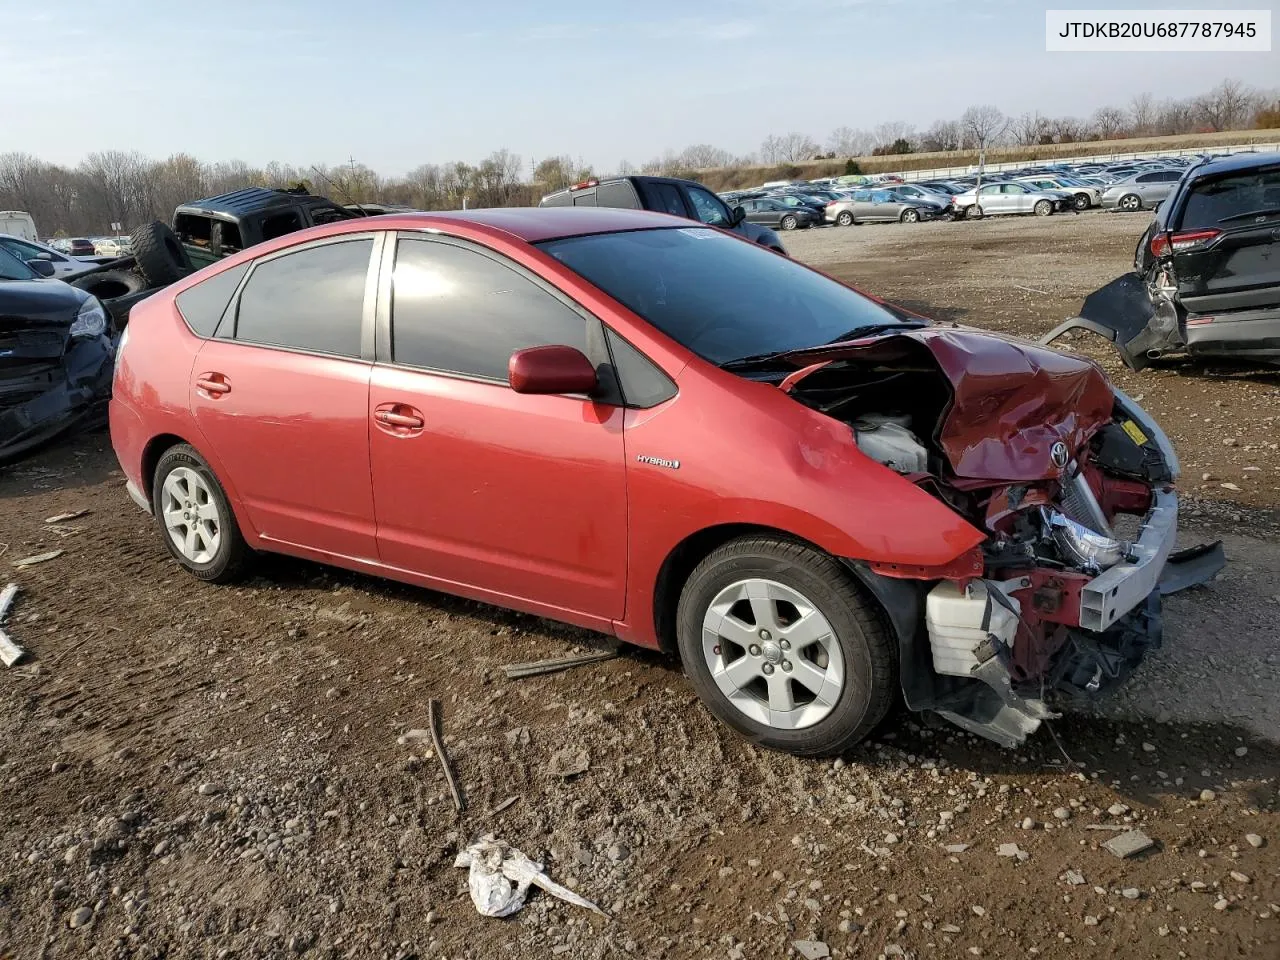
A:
(11, 268)
(719, 296)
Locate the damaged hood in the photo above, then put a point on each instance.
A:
(1011, 400)
(39, 302)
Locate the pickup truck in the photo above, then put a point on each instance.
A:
(682, 198)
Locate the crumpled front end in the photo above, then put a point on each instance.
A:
(49, 381)
(1073, 484)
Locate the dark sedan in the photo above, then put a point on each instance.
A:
(774, 212)
(56, 356)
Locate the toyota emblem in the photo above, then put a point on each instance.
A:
(1058, 453)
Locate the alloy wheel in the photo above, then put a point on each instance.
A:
(772, 654)
(190, 515)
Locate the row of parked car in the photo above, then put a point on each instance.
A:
(1130, 186)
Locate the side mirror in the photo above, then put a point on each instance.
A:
(736, 216)
(551, 369)
(41, 267)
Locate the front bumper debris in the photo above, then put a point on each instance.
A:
(39, 400)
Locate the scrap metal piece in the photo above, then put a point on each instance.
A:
(6, 600)
(518, 671)
(437, 741)
(63, 517)
(1192, 567)
(10, 652)
(38, 558)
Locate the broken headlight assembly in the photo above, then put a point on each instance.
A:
(1081, 547)
(91, 321)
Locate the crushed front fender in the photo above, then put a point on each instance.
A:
(38, 401)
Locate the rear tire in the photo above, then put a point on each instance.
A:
(1130, 203)
(195, 519)
(159, 254)
(973, 213)
(803, 623)
(844, 218)
(1042, 208)
(789, 222)
(909, 215)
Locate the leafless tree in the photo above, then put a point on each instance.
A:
(1227, 106)
(983, 126)
(1142, 114)
(1030, 129)
(787, 148)
(943, 136)
(887, 133)
(1068, 129)
(848, 142)
(1108, 122)
(703, 156)
(496, 179)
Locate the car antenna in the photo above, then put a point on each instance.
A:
(339, 188)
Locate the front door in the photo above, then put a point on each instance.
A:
(281, 397)
(515, 498)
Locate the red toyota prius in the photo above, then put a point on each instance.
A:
(659, 431)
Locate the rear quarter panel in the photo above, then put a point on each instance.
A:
(151, 392)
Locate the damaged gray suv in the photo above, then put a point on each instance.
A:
(56, 357)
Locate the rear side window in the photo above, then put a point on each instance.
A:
(584, 198)
(194, 230)
(620, 193)
(665, 198)
(460, 311)
(311, 300)
(278, 224)
(1210, 201)
(202, 305)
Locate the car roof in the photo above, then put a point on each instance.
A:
(1235, 162)
(250, 200)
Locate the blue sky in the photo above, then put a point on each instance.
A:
(396, 83)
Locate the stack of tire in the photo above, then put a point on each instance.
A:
(158, 260)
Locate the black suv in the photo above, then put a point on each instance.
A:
(1206, 277)
(682, 198)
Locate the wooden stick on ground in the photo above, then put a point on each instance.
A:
(437, 741)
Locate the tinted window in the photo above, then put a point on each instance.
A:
(643, 384)
(11, 268)
(310, 300)
(1169, 176)
(719, 297)
(584, 198)
(617, 194)
(202, 305)
(665, 198)
(1211, 201)
(1147, 178)
(277, 225)
(707, 208)
(457, 310)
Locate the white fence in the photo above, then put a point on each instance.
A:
(943, 173)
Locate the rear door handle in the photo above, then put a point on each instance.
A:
(398, 418)
(214, 384)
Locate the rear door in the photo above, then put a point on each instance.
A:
(665, 198)
(281, 395)
(883, 206)
(1226, 242)
(513, 496)
(991, 200)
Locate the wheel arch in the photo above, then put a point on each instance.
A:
(151, 455)
(693, 549)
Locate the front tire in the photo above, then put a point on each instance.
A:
(1042, 208)
(910, 215)
(195, 519)
(1082, 201)
(789, 222)
(781, 646)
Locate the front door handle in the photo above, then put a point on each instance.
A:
(399, 419)
(214, 384)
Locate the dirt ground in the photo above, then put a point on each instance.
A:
(197, 771)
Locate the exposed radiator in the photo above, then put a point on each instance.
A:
(1079, 502)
